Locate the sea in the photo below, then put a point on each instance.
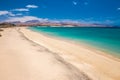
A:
(106, 39)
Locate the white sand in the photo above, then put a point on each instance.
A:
(21, 59)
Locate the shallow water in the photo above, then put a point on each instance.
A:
(104, 39)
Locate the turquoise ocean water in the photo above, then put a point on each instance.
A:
(104, 39)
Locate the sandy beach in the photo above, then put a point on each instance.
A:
(22, 59)
(28, 55)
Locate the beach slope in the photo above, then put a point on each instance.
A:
(23, 59)
(96, 64)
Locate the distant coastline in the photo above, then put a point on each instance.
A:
(53, 24)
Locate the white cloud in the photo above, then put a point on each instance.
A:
(69, 21)
(21, 9)
(32, 6)
(75, 3)
(118, 8)
(11, 14)
(19, 14)
(6, 13)
(24, 19)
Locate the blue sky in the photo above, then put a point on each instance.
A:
(86, 11)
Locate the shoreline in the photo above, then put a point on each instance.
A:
(89, 62)
(59, 58)
(83, 44)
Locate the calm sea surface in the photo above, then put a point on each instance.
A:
(104, 39)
